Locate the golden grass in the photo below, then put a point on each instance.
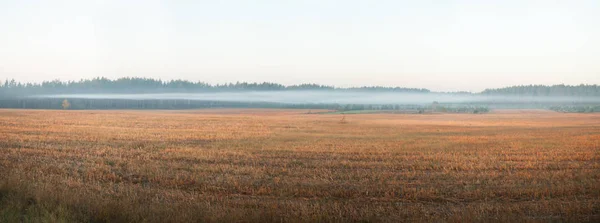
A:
(287, 165)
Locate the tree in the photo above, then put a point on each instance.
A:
(434, 106)
(66, 104)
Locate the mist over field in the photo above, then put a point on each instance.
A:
(148, 93)
(328, 97)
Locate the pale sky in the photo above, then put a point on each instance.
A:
(440, 45)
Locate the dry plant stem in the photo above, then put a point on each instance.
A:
(291, 165)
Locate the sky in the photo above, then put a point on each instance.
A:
(453, 45)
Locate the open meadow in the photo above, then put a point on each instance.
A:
(250, 165)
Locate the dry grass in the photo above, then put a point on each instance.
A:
(286, 165)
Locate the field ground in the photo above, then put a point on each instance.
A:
(286, 165)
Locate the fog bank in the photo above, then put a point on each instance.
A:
(328, 97)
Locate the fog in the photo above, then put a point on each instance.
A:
(327, 97)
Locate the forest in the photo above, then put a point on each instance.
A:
(543, 90)
(51, 94)
(150, 85)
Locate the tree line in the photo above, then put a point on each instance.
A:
(576, 108)
(150, 85)
(543, 90)
(86, 103)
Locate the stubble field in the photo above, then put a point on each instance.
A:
(288, 165)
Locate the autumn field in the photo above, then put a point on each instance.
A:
(253, 165)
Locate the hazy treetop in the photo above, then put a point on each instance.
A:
(102, 85)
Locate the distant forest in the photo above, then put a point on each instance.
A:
(149, 85)
(543, 90)
(14, 94)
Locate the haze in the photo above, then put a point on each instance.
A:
(439, 45)
(328, 97)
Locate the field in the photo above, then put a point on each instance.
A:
(288, 165)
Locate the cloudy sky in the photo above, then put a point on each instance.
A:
(440, 45)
